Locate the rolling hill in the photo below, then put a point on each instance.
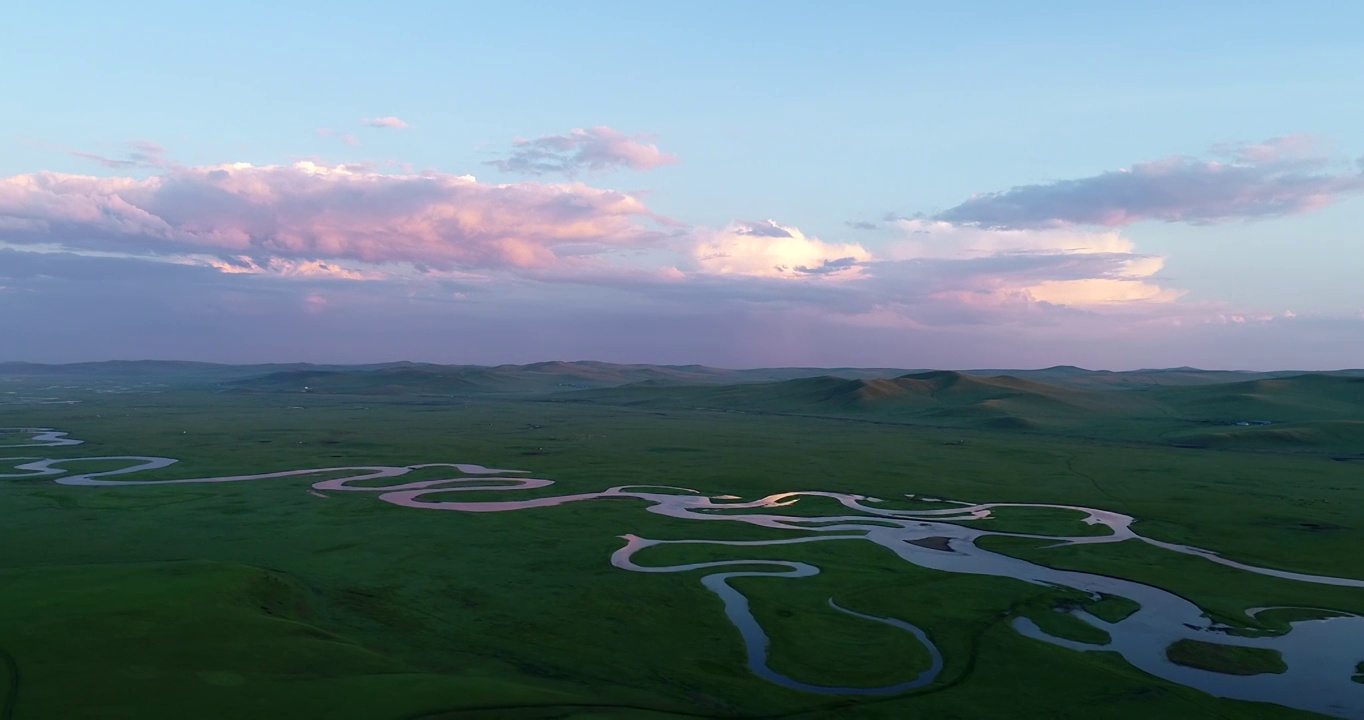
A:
(1182, 406)
(1316, 412)
(536, 378)
(937, 397)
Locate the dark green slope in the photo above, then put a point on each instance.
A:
(939, 397)
(1310, 411)
(568, 375)
(1301, 397)
(536, 378)
(1314, 412)
(1182, 406)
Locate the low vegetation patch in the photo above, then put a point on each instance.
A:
(1040, 521)
(1059, 623)
(1227, 659)
(1112, 608)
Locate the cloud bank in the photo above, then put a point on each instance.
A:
(307, 211)
(1279, 177)
(293, 248)
(64, 307)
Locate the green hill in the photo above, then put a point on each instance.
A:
(1304, 412)
(1280, 411)
(938, 397)
(1306, 397)
(536, 378)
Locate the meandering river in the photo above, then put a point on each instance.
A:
(1321, 654)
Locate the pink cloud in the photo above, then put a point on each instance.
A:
(119, 307)
(346, 138)
(314, 303)
(1281, 176)
(309, 269)
(385, 122)
(592, 149)
(307, 211)
(1300, 147)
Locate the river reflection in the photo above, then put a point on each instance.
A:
(1321, 654)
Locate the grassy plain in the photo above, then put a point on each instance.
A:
(1229, 659)
(262, 600)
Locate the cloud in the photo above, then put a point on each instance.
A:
(768, 249)
(935, 238)
(768, 228)
(346, 138)
(1281, 176)
(298, 254)
(932, 273)
(829, 267)
(140, 154)
(1060, 266)
(592, 149)
(348, 223)
(306, 211)
(241, 264)
(70, 307)
(385, 122)
(1286, 149)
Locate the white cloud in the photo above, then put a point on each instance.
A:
(768, 249)
(1124, 276)
(385, 122)
(930, 238)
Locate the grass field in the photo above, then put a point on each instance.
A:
(1226, 659)
(262, 600)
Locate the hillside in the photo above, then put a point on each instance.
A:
(168, 371)
(1188, 407)
(939, 397)
(556, 375)
(1306, 412)
(1298, 397)
(536, 378)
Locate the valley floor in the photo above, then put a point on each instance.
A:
(263, 599)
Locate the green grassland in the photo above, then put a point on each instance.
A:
(262, 600)
(1307, 413)
(1229, 659)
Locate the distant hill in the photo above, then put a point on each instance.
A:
(1304, 397)
(1148, 378)
(939, 397)
(1303, 412)
(167, 370)
(1189, 407)
(536, 378)
(610, 374)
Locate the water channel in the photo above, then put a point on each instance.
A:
(1321, 654)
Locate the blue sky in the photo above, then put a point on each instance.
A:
(810, 116)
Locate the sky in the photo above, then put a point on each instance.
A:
(889, 184)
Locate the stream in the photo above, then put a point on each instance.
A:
(1321, 654)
